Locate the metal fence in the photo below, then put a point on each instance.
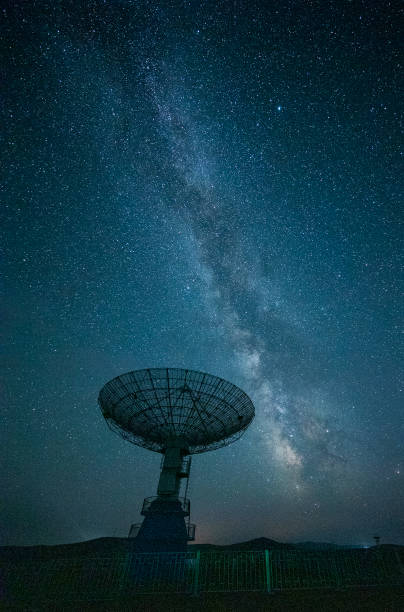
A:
(103, 578)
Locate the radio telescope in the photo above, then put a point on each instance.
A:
(177, 413)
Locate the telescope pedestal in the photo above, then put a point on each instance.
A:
(163, 528)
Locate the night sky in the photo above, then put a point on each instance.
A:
(213, 186)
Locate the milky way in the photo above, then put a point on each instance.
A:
(214, 188)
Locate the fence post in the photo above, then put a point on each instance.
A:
(195, 590)
(123, 574)
(338, 578)
(267, 572)
(399, 563)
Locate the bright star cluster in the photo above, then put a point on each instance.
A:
(213, 186)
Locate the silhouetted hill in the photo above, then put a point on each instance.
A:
(324, 546)
(89, 548)
(119, 546)
(256, 544)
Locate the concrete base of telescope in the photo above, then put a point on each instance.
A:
(163, 528)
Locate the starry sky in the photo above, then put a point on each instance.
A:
(214, 186)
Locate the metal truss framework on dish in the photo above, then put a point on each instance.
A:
(148, 407)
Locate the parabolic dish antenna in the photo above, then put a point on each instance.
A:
(153, 406)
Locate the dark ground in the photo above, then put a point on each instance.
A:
(378, 599)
